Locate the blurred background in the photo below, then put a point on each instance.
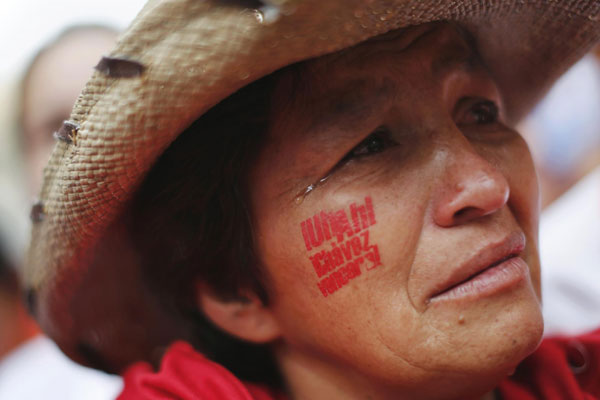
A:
(49, 49)
(25, 27)
(563, 133)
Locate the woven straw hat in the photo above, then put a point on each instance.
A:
(176, 60)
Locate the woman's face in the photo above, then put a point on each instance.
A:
(415, 260)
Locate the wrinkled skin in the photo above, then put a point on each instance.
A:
(447, 178)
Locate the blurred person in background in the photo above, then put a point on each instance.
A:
(31, 365)
(51, 85)
(16, 326)
(564, 134)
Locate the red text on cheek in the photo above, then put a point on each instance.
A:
(339, 242)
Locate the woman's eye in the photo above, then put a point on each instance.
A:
(479, 112)
(375, 143)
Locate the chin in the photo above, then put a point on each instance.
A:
(494, 350)
(513, 333)
(493, 335)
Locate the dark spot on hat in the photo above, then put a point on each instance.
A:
(251, 4)
(37, 213)
(67, 132)
(120, 67)
(91, 356)
(577, 356)
(31, 301)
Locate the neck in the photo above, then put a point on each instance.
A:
(310, 379)
(489, 396)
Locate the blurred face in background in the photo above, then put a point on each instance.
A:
(55, 79)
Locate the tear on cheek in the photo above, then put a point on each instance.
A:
(338, 245)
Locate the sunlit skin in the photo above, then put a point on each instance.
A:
(408, 119)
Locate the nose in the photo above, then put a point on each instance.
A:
(471, 187)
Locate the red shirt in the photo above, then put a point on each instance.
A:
(560, 369)
(563, 368)
(187, 375)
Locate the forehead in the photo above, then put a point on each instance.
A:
(337, 94)
(339, 84)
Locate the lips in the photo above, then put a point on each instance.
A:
(496, 265)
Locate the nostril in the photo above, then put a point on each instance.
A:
(467, 213)
(462, 211)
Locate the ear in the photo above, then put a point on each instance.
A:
(246, 318)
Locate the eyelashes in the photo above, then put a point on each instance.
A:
(378, 141)
(469, 111)
(476, 111)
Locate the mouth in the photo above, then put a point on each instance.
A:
(496, 267)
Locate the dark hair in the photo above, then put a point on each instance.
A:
(191, 222)
(9, 281)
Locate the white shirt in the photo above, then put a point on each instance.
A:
(570, 256)
(39, 370)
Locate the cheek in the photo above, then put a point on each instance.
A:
(339, 273)
(522, 178)
(524, 202)
(328, 249)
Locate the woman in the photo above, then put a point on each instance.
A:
(361, 224)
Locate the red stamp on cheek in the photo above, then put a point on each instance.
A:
(349, 251)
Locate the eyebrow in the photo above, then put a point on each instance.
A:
(346, 107)
(334, 119)
(463, 54)
(454, 57)
(350, 106)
